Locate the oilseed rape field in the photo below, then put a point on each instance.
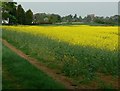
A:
(80, 52)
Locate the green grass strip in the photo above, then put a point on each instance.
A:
(18, 73)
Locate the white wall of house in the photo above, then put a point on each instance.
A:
(5, 21)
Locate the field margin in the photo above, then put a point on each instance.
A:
(59, 78)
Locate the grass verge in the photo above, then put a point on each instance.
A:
(20, 74)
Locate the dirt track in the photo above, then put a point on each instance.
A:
(59, 78)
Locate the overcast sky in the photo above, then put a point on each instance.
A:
(67, 0)
(66, 8)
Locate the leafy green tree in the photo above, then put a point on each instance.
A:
(99, 20)
(88, 18)
(20, 15)
(59, 19)
(75, 18)
(12, 12)
(28, 17)
(80, 18)
(5, 11)
(54, 18)
(9, 11)
(68, 18)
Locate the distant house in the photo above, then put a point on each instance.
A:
(39, 18)
(91, 16)
(46, 19)
(5, 21)
(115, 17)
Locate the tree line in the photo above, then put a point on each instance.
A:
(15, 14)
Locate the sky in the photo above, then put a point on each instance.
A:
(67, 0)
(108, 8)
